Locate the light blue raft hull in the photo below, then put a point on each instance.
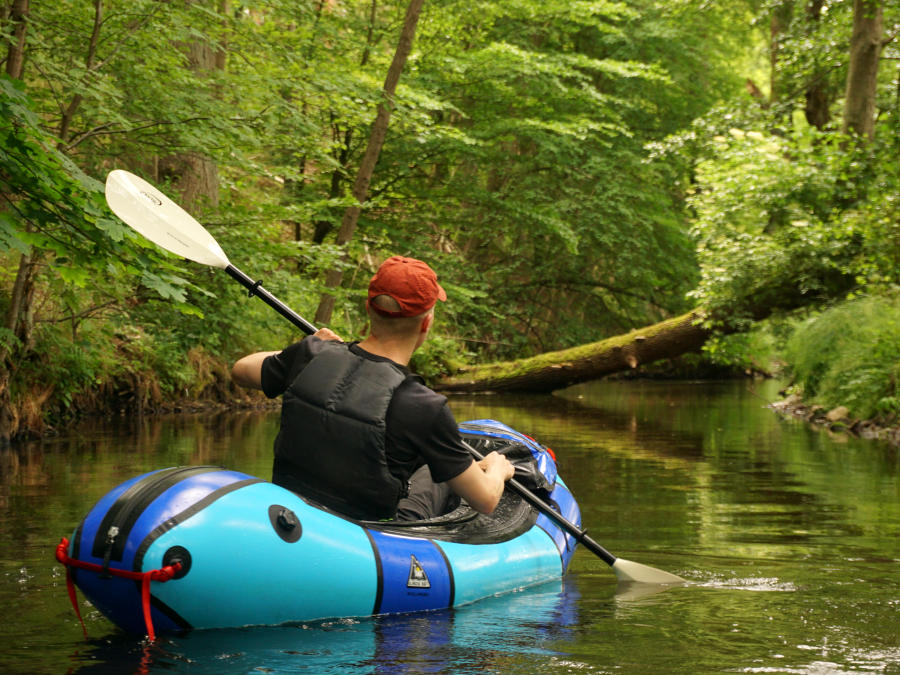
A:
(257, 554)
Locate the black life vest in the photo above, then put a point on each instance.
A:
(331, 446)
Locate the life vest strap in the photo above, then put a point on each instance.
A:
(162, 574)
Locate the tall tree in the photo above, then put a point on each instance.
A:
(19, 313)
(866, 44)
(781, 13)
(818, 93)
(15, 54)
(373, 150)
(194, 173)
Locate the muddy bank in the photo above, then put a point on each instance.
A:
(837, 420)
(35, 417)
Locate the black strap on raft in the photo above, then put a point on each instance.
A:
(161, 575)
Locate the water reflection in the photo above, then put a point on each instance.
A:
(494, 635)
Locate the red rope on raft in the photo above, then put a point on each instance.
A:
(163, 574)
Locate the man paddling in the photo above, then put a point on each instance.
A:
(360, 433)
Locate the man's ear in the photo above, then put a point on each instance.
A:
(426, 323)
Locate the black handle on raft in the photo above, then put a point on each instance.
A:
(255, 288)
(553, 515)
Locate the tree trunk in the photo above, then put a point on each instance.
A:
(15, 55)
(68, 114)
(196, 179)
(19, 315)
(818, 94)
(195, 175)
(324, 227)
(779, 21)
(556, 370)
(376, 140)
(862, 75)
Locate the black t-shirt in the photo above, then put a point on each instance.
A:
(420, 427)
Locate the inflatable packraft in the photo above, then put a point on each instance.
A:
(205, 547)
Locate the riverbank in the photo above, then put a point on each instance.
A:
(836, 420)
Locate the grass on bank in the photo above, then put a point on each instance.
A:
(849, 355)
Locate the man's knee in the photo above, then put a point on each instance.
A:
(426, 499)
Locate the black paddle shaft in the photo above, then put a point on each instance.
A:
(555, 516)
(255, 288)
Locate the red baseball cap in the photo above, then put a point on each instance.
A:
(412, 283)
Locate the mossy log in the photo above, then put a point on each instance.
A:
(556, 370)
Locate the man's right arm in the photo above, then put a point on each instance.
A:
(247, 372)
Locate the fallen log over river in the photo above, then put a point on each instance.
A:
(556, 370)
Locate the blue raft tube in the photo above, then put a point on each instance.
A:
(201, 547)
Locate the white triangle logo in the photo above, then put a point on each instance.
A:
(417, 577)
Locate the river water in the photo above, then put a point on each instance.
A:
(789, 539)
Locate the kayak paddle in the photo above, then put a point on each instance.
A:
(625, 570)
(153, 215)
(162, 221)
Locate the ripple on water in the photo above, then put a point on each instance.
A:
(858, 661)
(750, 584)
(814, 668)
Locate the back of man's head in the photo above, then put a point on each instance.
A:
(402, 291)
(385, 321)
(411, 284)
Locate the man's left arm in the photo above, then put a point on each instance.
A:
(481, 485)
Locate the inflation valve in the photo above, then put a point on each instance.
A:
(286, 524)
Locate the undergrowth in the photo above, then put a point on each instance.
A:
(107, 369)
(850, 355)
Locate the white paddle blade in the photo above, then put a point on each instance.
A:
(631, 571)
(159, 219)
(633, 591)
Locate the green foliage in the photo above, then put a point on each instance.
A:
(781, 222)
(567, 167)
(753, 351)
(850, 355)
(439, 356)
(72, 365)
(88, 265)
(56, 211)
(531, 168)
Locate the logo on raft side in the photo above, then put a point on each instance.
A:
(417, 577)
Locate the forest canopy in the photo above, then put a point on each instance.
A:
(572, 170)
